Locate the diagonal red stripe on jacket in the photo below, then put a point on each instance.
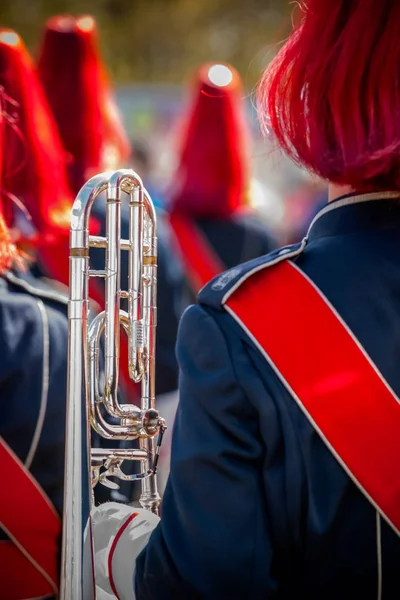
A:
(329, 375)
(30, 561)
(200, 261)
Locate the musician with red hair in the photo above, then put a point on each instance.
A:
(284, 477)
(33, 336)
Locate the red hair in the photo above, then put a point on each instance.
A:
(332, 94)
(213, 165)
(79, 93)
(33, 158)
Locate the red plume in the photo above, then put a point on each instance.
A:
(33, 163)
(213, 172)
(79, 93)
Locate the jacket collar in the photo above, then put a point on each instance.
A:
(356, 213)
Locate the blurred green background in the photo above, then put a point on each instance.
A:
(163, 40)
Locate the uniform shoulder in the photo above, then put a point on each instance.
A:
(37, 287)
(21, 326)
(27, 321)
(214, 293)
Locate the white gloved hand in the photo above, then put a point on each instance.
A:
(120, 533)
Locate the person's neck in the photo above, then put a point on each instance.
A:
(336, 191)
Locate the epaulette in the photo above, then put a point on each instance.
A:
(32, 286)
(216, 292)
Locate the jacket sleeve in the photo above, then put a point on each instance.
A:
(213, 513)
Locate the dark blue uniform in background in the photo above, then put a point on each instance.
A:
(235, 239)
(33, 374)
(33, 368)
(256, 506)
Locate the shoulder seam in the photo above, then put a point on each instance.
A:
(279, 258)
(47, 294)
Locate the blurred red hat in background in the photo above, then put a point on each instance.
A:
(78, 89)
(213, 172)
(33, 160)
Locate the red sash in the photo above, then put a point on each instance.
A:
(29, 562)
(200, 261)
(329, 375)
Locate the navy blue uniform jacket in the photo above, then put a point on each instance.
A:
(33, 376)
(256, 507)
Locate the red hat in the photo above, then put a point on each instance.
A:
(80, 95)
(213, 171)
(33, 169)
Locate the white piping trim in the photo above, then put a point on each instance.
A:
(348, 330)
(29, 557)
(279, 258)
(379, 554)
(308, 416)
(352, 200)
(49, 294)
(45, 387)
(329, 208)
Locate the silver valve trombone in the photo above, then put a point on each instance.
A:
(88, 401)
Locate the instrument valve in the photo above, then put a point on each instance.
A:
(151, 422)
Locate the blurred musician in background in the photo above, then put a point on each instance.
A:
(209, 225)
(33, 336)
(284, 476)
(79, 92)
(77, 89)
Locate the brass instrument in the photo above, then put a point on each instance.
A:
(88, 402)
